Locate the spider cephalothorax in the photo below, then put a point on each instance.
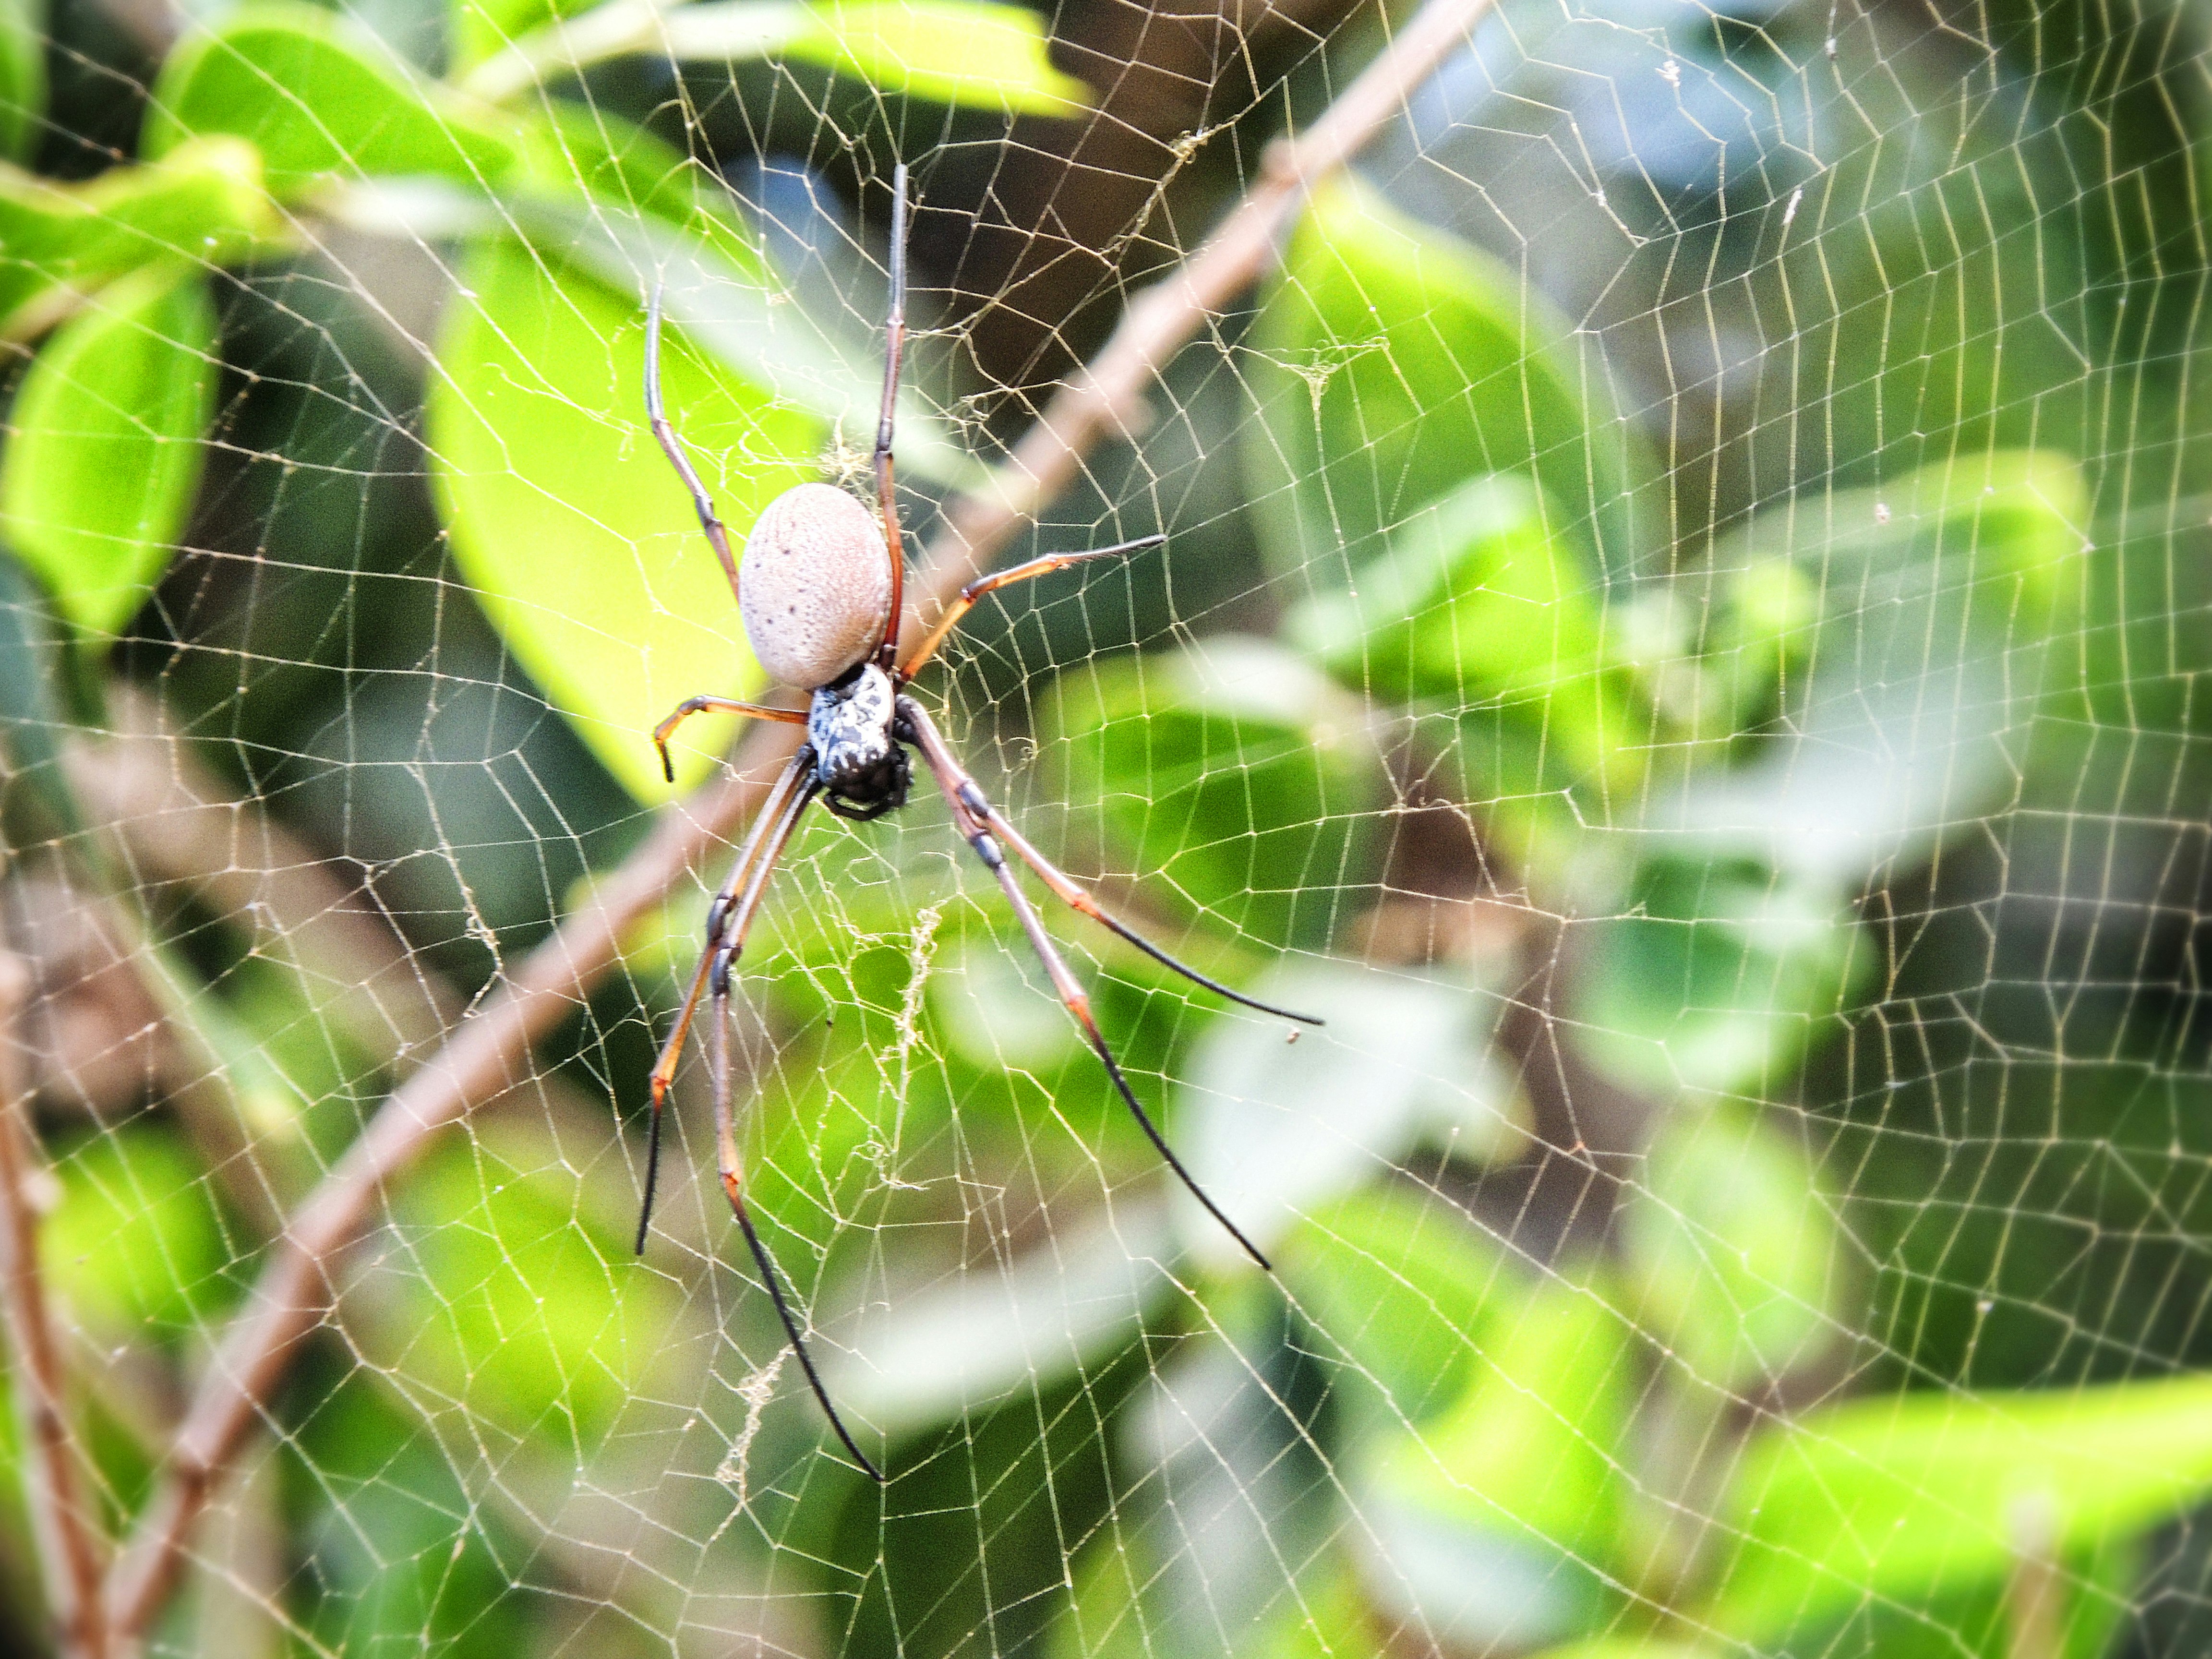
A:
(820, 599)
(859, 755)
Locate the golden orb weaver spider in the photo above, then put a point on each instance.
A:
(821, 602)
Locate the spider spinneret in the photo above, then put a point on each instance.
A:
(820, 595)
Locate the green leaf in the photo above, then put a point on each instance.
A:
(620, 166)
(569, 521)
(1236, 778)
(1475, 599)
(1271, 1127)
(482, 29)
(203, 203)
(322, 100)
(946, 51)
(1499, 1525)
(1397, 363)
(1939, 596)
(713, 291)
(939, 1352)
(1909, 1498)
(1402, 1283)
(106, 452)
(22, 76)
(138, 1240)
(498, 1299)
(1731, 1258)
(1717, 976)
(37, 801)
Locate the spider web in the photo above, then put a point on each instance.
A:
(1677, 635)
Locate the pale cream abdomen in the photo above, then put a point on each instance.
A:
(815, 586)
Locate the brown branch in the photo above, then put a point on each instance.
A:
(68, 1546)
(490, 1052)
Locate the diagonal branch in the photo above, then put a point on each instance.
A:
(69, 1544)
(490, 1051)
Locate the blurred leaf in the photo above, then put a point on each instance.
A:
(994, 1017)
(1632, 1647)
(1474, 599)
(712, 293)
(37, 803)
(1470, 596)
(202, 203)
(1714, 651)
(1231, 774)
(104, 451)
(947, 1352)
(1717, 977)
(494, 1296)
(1731, 1257)
(1229, 1516)
(619, 164)
(138, 1247)
(479, 29)
(23, 77)
(1399, 364)
(570, 523)
(951, 51)
(322, 98)
(406, 1558)
(1938, 594)
(1904, 1498)
(1400, 1280)
(1271, 1127)
(1499, 1525)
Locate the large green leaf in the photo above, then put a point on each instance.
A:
(1232, 774)
(570, 523)
(1909, 1498)
(99, 474)
(203, 203)
(1394, 363)
(322, 101)
(950, 51)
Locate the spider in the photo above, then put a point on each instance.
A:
(820, 600)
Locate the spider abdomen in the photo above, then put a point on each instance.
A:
(815, 586)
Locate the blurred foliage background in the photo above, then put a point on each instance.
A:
(1678, 632)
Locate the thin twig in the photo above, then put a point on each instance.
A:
(68, 1545)
(490, 1051)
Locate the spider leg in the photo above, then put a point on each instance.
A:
(894, 349)
(718, 915)
(721, 958)
(1021, 573)
(673, 446)
(1072, 993)
(691, 706)
(942, 761)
